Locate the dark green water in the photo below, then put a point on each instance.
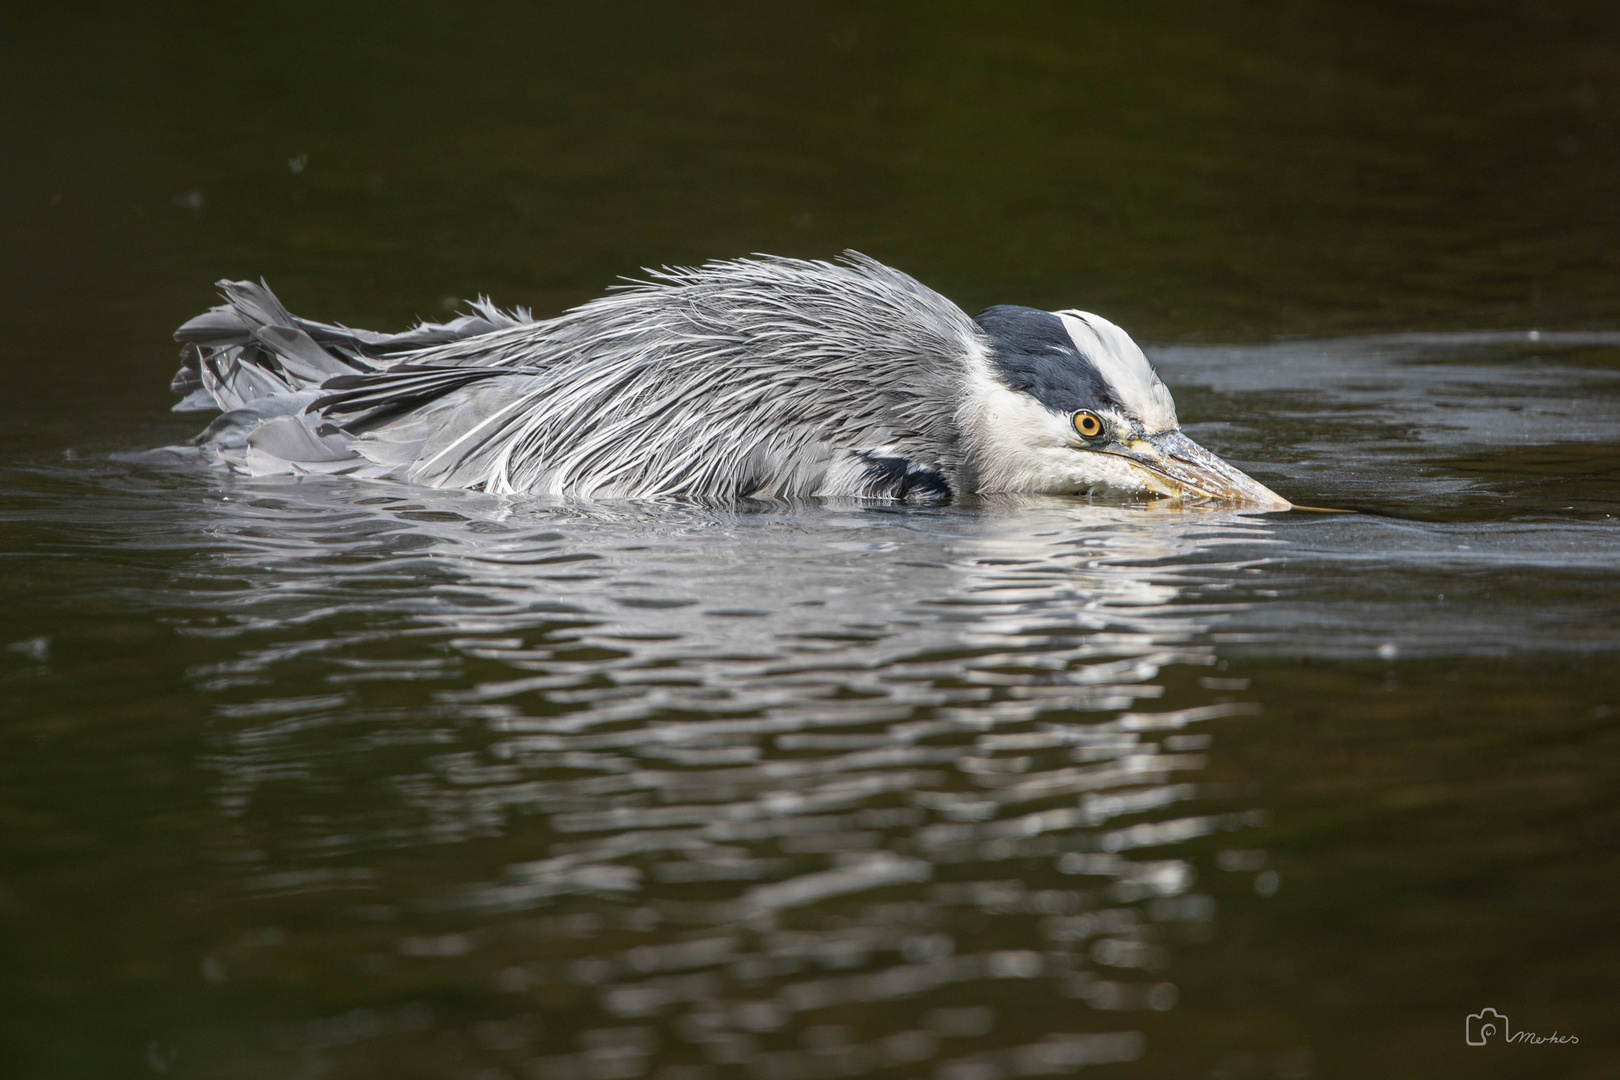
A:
(319, 778)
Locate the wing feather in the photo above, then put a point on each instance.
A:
(764, 375)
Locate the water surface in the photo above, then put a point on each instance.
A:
(318, 777)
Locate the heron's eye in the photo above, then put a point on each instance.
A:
(1088, 424)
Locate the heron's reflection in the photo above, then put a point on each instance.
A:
(814, 791)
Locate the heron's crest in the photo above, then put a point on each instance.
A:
(1072, 360)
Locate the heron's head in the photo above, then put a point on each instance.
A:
(1065, 403)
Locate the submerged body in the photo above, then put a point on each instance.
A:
(751, 378)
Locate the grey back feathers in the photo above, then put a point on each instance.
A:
(765, 377)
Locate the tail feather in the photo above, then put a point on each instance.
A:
(278, 378)
(251, 347)
(254, 330)
(302, 358)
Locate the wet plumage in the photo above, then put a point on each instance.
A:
(762, 377)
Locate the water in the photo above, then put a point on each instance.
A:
(323, 778)
(388, 780)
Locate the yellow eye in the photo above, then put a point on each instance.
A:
(1088, 424)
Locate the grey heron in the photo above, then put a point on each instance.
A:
(759, 377)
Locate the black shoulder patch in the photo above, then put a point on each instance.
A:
(1033, 353)
(903, 479)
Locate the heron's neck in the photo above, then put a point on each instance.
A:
(1001, 432)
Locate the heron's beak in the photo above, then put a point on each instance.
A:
(1177, 466)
